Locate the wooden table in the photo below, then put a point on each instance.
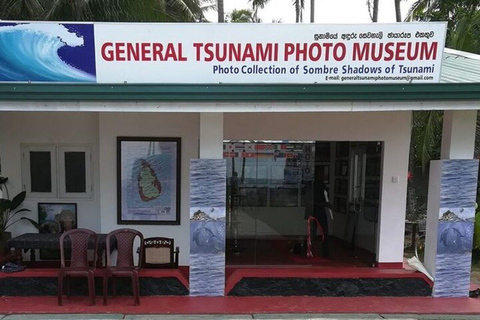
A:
(32, 241)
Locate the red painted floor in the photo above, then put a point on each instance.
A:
(279, 252)
(244, 305)
(249, 305)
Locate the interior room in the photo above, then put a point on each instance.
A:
(273, 187)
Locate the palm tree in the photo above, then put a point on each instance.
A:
(463, 31)
(465, 35)
(299, 7)
(373, 9)
(258, 4)
(106, 10)
(441, 10)
(221, 13)
(20, 10)
(312, 11)
(241, 16)
(426, 136)
(398, 12)
(463, 18)
(420, 9)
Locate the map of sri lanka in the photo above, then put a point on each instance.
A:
(149, 187)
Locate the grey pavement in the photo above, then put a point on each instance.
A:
(239, 317)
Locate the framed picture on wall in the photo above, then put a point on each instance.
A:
(55, 218)
(148, 180)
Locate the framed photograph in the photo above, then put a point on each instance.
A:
(148, 180)
(56, 218)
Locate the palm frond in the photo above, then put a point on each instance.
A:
(21, 10)
(465, 33)
(427, 131)
(241, 16)
(259, 3)
(106, 10)
(417, 9)
(73, 10)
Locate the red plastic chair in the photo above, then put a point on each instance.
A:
(125, 266)
(79, 263)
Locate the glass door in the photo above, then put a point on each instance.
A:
(243, 198)
(271, 193)
(364, 185)
(269, 190)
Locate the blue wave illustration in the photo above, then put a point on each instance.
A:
(29, 52)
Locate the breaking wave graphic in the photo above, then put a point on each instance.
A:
(29, 52)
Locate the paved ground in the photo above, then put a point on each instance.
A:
(238, 317)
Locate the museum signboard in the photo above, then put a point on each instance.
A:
(221, 53)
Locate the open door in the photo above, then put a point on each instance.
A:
(363, 198)
(270, 192)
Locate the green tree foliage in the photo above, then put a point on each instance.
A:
(463, 17)
(106, 10)
(463, 33)
(241, 16)
(426, 137)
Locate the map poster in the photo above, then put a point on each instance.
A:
(148, 188)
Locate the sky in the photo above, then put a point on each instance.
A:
(326, 11)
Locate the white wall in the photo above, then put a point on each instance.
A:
(458, 135)
(211, 135)
(393, 128)
(101, 130)
(49, 127)
(183, 125)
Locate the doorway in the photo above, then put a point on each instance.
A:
(274, 186)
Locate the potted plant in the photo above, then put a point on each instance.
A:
(8, 211)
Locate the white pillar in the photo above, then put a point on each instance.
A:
(458, 139)
(451, 207)
(211, 135)
(208, 199)
(393, 193)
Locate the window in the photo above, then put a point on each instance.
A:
(57, 171)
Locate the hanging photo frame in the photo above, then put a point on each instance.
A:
(148, 180)
(55, 218)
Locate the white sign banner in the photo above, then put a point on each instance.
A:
(225, 53)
